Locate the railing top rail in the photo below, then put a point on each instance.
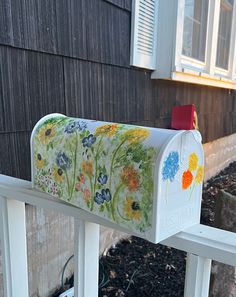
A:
(201, 240)
(205, 241)
(22, 190)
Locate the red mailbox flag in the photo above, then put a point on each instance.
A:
(182, 117)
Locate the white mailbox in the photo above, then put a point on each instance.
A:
(140, 180)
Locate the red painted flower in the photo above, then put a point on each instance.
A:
(82, 178)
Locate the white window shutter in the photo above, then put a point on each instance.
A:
(144, 33)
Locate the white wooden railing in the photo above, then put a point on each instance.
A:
(202, 243)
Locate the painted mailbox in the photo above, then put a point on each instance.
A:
(143, 181)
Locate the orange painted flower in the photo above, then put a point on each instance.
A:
(130, 178)
(47, 133)
(136, 135)
(132, 209)
(109, 130)
(199, 175)
(87, 168)
(87, 195)
(187, 179)
(192, 162)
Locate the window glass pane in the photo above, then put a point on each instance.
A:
(224, 33)
(195, 28)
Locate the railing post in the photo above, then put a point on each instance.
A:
(13, 247)
(197, 277)
(86, 259)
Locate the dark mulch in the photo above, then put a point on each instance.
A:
(137, 268)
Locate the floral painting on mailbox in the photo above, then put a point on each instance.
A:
(191, 177)
(107, 169)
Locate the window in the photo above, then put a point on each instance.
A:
(195, 29)
(191, 40)
(224, 33)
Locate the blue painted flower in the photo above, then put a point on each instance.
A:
(88, 141)
(106, 194)
(73, 125)
(63, 161)
(98, 198)
(81, 125)
(102, 179)
(171, 166)
(70, 128)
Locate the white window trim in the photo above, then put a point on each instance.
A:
(186, 69)
(207, 69)
(182, 61)
(228, 74)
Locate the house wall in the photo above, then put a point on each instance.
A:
(72, 57)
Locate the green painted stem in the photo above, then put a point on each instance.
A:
(75, 161)
(118, 211)
(92, 196)
(95, 175)
(108, 208)
(192, 191)
(167, 183)
(112, 161)
(114, 201)
(96, 165)
(68, 184)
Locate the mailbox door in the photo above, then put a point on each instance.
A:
(180, 178)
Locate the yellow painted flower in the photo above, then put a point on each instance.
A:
(58, 174)
(47, 133)
(200, 174)
(132, 209)
(39, 161)
(87, 168)
(192, 162)
(136, 135)
(109, 130)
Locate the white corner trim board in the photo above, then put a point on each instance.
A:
(219, 154)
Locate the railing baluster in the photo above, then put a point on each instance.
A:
(14, 248)
(197, 278)
(86, 259)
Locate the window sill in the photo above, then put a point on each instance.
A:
(203, 79)
(195, 77)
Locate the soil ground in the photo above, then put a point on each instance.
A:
(138, 268)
